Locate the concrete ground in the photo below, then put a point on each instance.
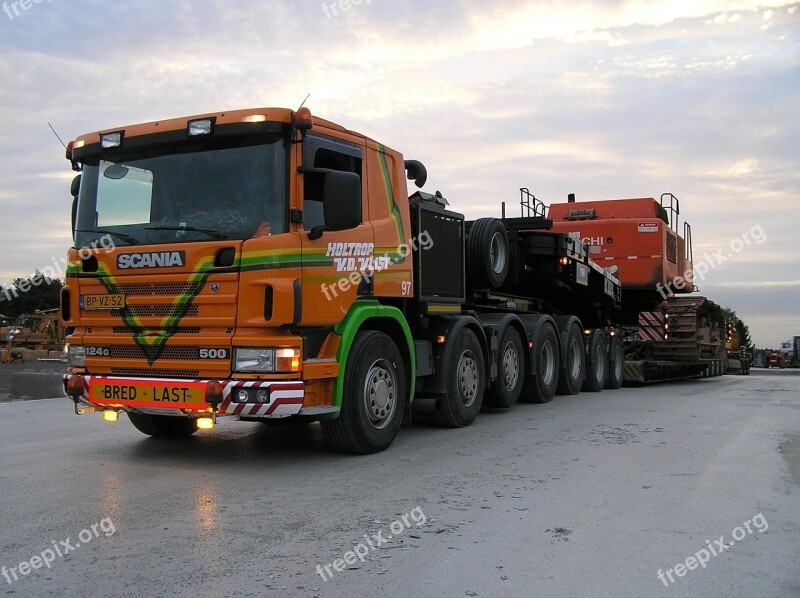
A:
(591, 495)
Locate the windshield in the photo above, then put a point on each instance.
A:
(231, 191)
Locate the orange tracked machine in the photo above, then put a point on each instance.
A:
(670, 331)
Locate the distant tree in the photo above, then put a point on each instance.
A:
(27, 295)
(737, 324)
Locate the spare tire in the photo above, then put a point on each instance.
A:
(487, 253)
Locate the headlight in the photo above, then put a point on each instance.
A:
(76, 356)
(254, 360)
(267, 361)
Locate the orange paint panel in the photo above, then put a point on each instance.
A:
(622, 243)
(609, 209)
(318, 393)
(320, 369)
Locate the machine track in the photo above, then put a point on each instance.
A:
(696, 331)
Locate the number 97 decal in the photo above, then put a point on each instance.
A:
(405, 287)
(213, 353)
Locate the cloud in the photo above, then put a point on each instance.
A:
(605, 99)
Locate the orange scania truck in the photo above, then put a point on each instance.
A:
(264, 264)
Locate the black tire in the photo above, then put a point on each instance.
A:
(466, 382)
(373, 396)
(540, 387)
(488, 253)
(507, 387)
(596, 363)
(616, 363)
(573, 369)
(163, 426)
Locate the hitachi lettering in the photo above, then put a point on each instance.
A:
(164, 259)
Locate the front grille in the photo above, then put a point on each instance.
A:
(155, 372)
(159, 311)
(135, 330)
(170, 353)
(159, 288)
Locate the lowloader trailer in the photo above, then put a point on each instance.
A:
(266, 264)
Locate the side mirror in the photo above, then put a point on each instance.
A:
(341, 202)
(75, 187)
(74, 190)
(341, 194)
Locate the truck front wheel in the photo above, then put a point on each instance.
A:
(163, 426)
(373, 396)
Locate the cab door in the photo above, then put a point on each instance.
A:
(338, 248)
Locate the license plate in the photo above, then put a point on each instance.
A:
(147, 392)
(102, 302)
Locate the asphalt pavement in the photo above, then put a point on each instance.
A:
(592, 495)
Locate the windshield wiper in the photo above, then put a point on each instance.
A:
(191, 229)
(123, 236)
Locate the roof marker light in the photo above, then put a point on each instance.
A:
(109, 140)
(201, 126)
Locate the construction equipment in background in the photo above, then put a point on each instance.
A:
(37, 331)
(775, 360)
(790, 358)
(740, 358)
(670, 332)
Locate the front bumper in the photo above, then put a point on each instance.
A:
(285, 398)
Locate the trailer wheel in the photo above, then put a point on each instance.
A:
(596, 363)
(467, 377)
(163, 426)
(574, 368)
(373, 396)
(488, 253)
(616, 363)
(540, 387)
(507, 387)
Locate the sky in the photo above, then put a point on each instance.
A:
(606, 100)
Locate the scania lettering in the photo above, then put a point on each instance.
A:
(166, 259)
